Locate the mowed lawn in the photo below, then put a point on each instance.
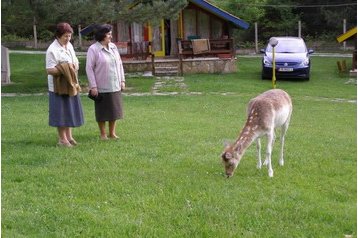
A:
(164, 177)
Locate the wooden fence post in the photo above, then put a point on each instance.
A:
(79, 36)
(344, 31)
(5, 65)
(35, 36)
(256, 39)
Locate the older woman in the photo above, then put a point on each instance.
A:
(65, 109)
(106, 80)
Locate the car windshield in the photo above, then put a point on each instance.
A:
(288, 46)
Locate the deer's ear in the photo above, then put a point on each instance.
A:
(226, 143)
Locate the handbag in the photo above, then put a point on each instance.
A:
(97, 98)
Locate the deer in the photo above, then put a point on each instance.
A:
(266, 112)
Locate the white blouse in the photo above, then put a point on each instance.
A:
(56, 54)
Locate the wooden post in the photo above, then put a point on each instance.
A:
(35, 36)
(153, 64)
(344, 31)
(339, 65)
(256, 39)
(344, 66)
(79, 36)
(299, 28)
(354, 60)
(152, 56)
(180, 51)
(5, 65)
(181, 64)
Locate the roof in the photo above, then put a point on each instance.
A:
(88, 29)
(347, 35)
(237, 22)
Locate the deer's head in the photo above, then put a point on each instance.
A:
(230, 158)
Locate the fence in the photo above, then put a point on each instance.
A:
(327, 45)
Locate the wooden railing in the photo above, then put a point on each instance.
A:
(136, 51)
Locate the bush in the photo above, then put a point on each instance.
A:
(13, 38)
(45, 35)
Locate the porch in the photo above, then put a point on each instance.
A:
(194, 56)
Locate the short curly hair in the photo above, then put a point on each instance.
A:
(63, 28)
(101, 32)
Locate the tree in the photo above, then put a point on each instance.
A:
(326, 16)
(152, 11)
(19, 15)
(278, 20)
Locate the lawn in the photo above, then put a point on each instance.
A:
(164, 177)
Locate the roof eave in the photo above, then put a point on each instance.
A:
(236, 22)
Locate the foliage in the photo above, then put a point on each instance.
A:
(152, 11)
(20, 15)
(13, 38)
(274, 17)
(323, 20)
(279, 17)
(163, 178)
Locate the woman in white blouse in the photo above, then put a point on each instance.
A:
(65, 111)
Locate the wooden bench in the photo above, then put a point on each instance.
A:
(217, 47)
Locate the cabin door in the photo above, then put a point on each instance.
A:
(157, 36)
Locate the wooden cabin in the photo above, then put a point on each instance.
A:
(201, 29)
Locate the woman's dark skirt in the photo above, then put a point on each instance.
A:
(109, 108)
(65, 111)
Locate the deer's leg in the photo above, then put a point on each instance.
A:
(270, 140)
(283, 133)
(258, 151)
(266, 162)
(281, 161)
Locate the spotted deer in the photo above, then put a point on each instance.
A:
(266, 112)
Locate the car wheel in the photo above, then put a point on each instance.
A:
(263, 77)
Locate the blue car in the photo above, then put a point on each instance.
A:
(292, 59)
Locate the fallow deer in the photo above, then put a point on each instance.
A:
(266, 112)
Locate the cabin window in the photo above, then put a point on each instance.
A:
(123, 32)
(216, 29)
(203, 25)
(189, 16)
(137, 32)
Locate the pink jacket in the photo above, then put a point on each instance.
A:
(97, 68)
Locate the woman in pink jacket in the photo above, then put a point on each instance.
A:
(106, 80)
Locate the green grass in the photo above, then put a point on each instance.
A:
(164, 177)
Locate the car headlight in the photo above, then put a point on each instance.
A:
(305, 62)
(267, 62)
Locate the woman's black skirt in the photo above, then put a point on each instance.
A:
(109, 108)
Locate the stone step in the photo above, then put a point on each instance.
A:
(162, 68)
(166, 73)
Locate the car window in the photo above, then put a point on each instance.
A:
(288, 46)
